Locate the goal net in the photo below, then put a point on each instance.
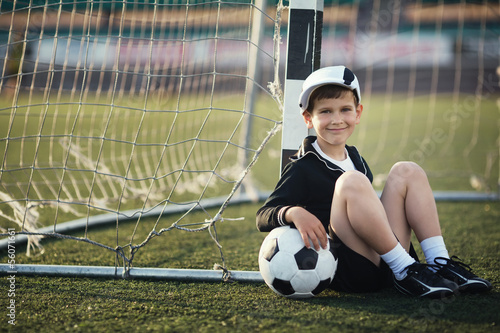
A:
(115, 111)
(131, 109)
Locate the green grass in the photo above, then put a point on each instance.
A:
(58, 304)
(451, 141)
(92, 146)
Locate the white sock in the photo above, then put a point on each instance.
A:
(434, 247)
(398, 259)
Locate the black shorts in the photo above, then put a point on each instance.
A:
(355, 273)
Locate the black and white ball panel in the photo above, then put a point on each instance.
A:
(292, 270)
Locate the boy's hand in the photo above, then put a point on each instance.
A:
(309, 227)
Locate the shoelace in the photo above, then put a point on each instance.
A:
(421, 269)
(454, 262)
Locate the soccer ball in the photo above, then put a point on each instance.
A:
(292, 270)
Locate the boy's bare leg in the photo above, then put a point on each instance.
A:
(409, 203)
(358, 217)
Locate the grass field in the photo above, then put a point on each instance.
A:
(453, 143)
(58, 304)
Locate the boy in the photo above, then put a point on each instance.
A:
(326, 188)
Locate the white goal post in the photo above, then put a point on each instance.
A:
(126, 110)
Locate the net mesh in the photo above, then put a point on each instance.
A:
(125, 107)
(132, 108)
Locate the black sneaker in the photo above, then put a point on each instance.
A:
(421, 281)
(460, 273)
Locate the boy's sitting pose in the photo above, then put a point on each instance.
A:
(326, 188)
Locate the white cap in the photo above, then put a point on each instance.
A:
(338, 75)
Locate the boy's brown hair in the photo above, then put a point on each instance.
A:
(329, 91)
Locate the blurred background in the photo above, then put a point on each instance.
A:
(448, 43)
(107, 105)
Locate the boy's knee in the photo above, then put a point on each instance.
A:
(352, 180)
(408, 170)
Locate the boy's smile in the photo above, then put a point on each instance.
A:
(334, 120)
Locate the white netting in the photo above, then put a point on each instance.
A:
(125, 107)
(129, 108)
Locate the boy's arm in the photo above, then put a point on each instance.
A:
(283, 207)
(310, 227)
(290, 191)
(269, 217)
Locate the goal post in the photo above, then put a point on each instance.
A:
(155, 112)
(303, 56)
(123, 111)
(429, 74)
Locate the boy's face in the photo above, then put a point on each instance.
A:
(334, 120)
